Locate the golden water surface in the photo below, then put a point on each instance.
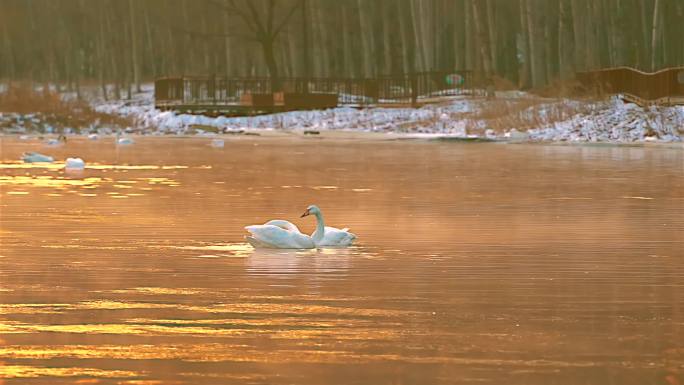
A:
(475, 264)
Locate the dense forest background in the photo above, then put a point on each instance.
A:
(530, 43)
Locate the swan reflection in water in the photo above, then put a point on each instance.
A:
(283, 263)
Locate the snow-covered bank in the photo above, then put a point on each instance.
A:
(514, 116)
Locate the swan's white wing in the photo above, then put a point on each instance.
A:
(256, 244)
(277, 237)
(287, 225)
(337, 237)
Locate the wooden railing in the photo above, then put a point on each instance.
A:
(662, 87)
(208, 90)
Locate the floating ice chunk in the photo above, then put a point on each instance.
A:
(34, 157)
(124, 141)
(74, 164)
(218, 143)
(53, 142)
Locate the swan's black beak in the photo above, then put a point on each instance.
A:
(305, 214)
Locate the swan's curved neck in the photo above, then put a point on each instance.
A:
(319, 233)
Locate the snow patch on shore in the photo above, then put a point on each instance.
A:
(617, 121)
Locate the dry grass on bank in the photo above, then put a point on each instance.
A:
(522, 114)
(52, 109)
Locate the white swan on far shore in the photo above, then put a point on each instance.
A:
(281, 234)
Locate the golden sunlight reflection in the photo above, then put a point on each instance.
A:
(92, 166)
(217, 352)
(156, 291)
(228, 250)
(325, 187)
(24, 371)
(218, 308)
(240, 328)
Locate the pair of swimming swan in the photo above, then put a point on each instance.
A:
(281, 234)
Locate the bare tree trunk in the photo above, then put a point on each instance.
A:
(469, 45)
(417, 33)
(482, 35)
(366, 38)
(459, 43)
(134, 47)
(101, 56)
(227, 46)
(305, 39)
(426, 34)
(590, 43)
(115, 71)
(269, 59)
(151, 48)
(347, 44)
(547, 57)
(9, 61)
(645, 57)
(387, 58)
(612, 38)
(207, 44)
(127, 70)
(562, 73)
(654, 33)
(491, 23)
(533, 54)
(296, 61)
(406, 39)
(578, 33)
(322, 32)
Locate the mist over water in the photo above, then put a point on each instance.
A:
(475, 263)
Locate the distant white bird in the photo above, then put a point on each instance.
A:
(281, 234)
(93, 137)
(74, 164)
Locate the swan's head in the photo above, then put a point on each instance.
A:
(311, 210)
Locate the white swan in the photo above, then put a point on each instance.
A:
(282, 234)
(328, 236)
(278, 234)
